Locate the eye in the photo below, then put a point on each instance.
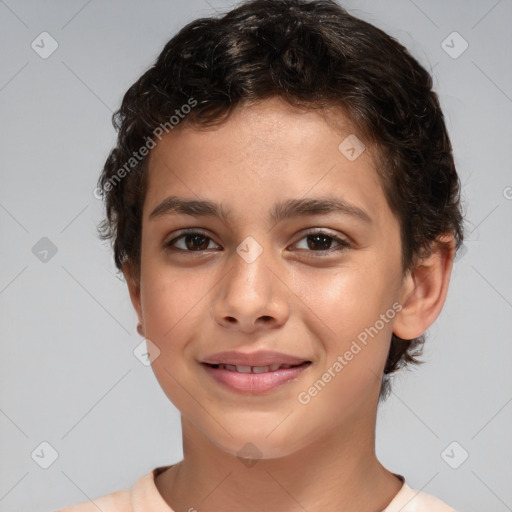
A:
(320, 241)
(190, 241)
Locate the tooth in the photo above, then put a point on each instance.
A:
(260, 369)
(274, 367)
(243, 369)
(230, 367)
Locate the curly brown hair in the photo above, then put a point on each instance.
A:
(315, 55)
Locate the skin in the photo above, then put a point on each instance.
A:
(294, 298)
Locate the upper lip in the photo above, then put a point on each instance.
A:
(260, 358)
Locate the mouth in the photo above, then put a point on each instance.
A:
(254, 380)
(256, 369)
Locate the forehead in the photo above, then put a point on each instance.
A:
(268, 151)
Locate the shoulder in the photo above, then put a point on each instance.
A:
(143, 496)
(119, 501)
(411, 500)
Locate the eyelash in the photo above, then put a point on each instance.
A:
(343, 244)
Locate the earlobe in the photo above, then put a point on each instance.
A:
(424, 290)
(133, 283)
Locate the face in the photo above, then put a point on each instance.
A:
(290, 247)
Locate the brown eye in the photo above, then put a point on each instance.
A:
(198, 242)
(322, 242)
(192, 241)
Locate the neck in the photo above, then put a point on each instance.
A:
(338, 471)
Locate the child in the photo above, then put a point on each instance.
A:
(284, 206)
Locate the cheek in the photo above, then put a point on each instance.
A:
(341, 304)
(354, 340)
(172, 301)
(173, 304)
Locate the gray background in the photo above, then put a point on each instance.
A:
(68, 373)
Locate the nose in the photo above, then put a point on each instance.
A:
(251, 297)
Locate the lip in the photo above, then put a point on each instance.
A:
(260, 358)
(251, 382)
(254, 383)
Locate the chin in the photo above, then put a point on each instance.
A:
(257, 444)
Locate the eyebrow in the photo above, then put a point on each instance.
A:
(280, 211)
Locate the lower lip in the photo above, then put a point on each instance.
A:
(254, 383)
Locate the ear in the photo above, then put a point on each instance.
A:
(133, 282)
(424, 290)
